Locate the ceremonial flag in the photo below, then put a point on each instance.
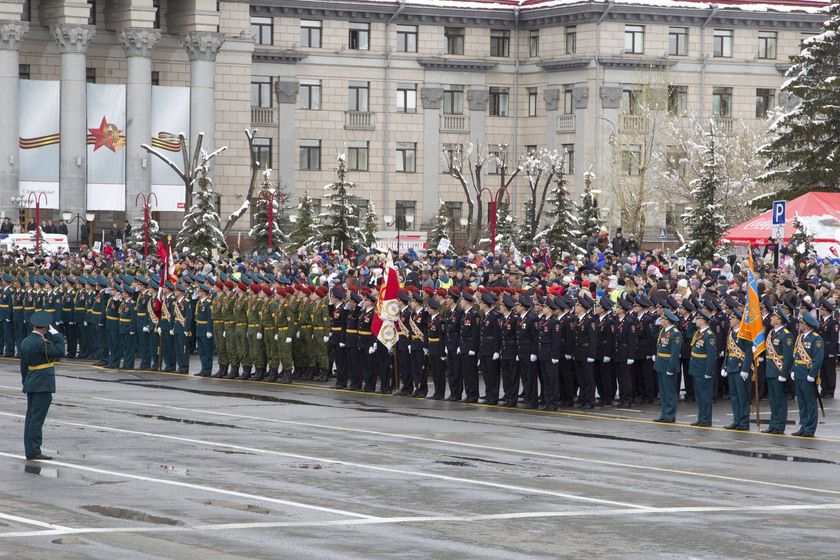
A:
(387, 309)
(752, 326)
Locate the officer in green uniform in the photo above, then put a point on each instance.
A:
(204, 330)
(320, 334)
(218, 307)
(78, 320)
(286, 327)
(18, 309)
(666, 363)
(777, 370)
(256, 345)
(68, 317)
(6, 314)
(701, 367)
(153, 310)
(307, 333)
(98, 306)
(240, 318)
(165, 328)
(298, 348)
(737, 364)
(808, 355)
(127, 328)
(38, 352)
(181, 325)
(142, 329)
(232, 293)
(112, 329)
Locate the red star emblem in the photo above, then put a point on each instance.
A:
(107, 135)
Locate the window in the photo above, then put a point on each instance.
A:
(262, 30)
(767, 45)
(357, 156)
(310, 94)
(631, 99)
(494, 158)
(156, 7)
(262, 152)
(676, 161)
(450, 153)
(406, 157)
(406, 98)
(571, 39)
(357, 96)
(673, 217)
(765, 101)
(359, 39)
(534, 43)
(498, 102)
(454, 208)
(92, 13)
(24, 72)
(260, 91)
(677, 100)
(26, 14)
(453, 100)
(90, 75)
(405, 213)
(531, 150)
(569, 158)
(155, 78)
(454, 40)
(310, 155)
(678, 41)
(722, 102)
(532, 101)
(568, 102)
(631, 160)
(723, 43)
(310, 33)
(406, 38)
(499, 42)
(634, 39)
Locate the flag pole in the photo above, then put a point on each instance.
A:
(756, 395)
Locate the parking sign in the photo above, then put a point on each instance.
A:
(779, 212)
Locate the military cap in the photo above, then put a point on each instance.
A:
(525, 301)
(356, 296)
(625, 303)
(605, 302)
(827, 305)
(467, 294)
(433, 303)
(488, 298)
(403, 296)
(738, 313)
(671, 316)
(338, 292)
(372, 296)
(643, 301)
(807, 318)
(549, 301)
(688, 306)
(704, 315)
(508, 301)
(454, 293)
(41, 319)
(418, 296)
(779, 312)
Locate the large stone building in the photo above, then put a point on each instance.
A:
(392, 83)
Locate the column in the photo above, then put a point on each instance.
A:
(11, 35)
(286, 93)
(137, 45)
(202, 48)
(72, 43)
(477, 100)
(431, 98)
(580, 101)
(552, 102)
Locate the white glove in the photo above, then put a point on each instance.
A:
(533, 357)
(276, 337)
(517, 358)
(671, 373)
(288, 340)
(259, 336)
(326, 339)
(445, 351)
(425, 351)
(478, 363)
(146, 328)
(9, 321)
(172, 332)
(745, 375)
(443, 358)
(131, 333)
(209, 335)
(458, 351)
(781, 379)
(409, 349)
(70, 323)
(471, 353)
(194, 296)
(224, 334)
(606, 359)
(372, 349)
(341, 345)
(555, 361)
(653, 359)
(86, 323)
(567, 356)
(297, 334)
(157, 331)
(590, 360)
(658, 321)
(810, 379)
(707, 377)
(58, 323)
(53, 330)
(495, 355)
(761, 360)
(630, 361)
(723, 373)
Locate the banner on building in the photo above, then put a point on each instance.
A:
(170, 117)
(106, 147)
(39, 139)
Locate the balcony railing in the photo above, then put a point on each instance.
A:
(454, 123)
(262, 115)
(358, 120)
(565, 123)
(726, 125)
(632, 123)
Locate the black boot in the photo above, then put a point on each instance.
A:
(259, 373)
(287, 375)
(246, 373)
(221, 373)
(272, 375)
(233, 373)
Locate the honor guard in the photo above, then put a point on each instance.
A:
(701, 368)
(808, 354)
(829, 330)
(777, 370)
(508, 366)
(665, 363)
(604, 364)
(585, 332)
(436, 343)
(490, 342)
(737, 365)
(468, 349)
(527, 344)
(454, 318)
(204, 330)
(625, 350)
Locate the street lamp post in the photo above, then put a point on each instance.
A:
(402, 222)
(69, 218)
(147, 202)
(36, 196)
(493, 206)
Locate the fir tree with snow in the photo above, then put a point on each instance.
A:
(307, 230)
(441, 227)
(340, 214)
(801, 242)
(563, 234)
(804, 151)
(370, 226)
(201, 232)
(704, 221)
(588, 215)
(259, 231)
(506, 227)
(524, 238)
(135, 236)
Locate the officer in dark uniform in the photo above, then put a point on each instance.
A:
(181, 324)
(509, 322)
(703, 361)
(549, 354)
(645, 378)
(6, 315)
(666, 361)
(367, 347)
(585, 332)
(436, 343)
(338, 325)
(127, 328)
(468, 348)
(568, 385)
(604, 364)
(38, 353)
(686, 313)
(356, 355)
(527, 344)
(452, 321)
(113, 350)
(829, 330)
(808, 354)
(626, 339)
(417, 328)
(403, 348)
(778, 363)
(489, 346)
(737, 365)
(18, 304)
(71, 333)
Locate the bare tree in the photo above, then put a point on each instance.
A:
(540, 169)
(256, 172)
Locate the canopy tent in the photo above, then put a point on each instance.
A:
(819, 212)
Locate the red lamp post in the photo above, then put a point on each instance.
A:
(147, 201)
(492, 208)
(36, 195)
(268, 196)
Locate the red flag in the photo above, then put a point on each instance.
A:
(387, 309)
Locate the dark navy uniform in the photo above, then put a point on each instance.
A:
(453, 321)
(527, 344)
(468, 354)
(829, 331)
(490, 342)
(549, 354)
(509, 371)
(604, 364)
(585, 333)
(626, 339)
(436, 343)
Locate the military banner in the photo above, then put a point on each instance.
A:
(170, 117)
(106, 147)
(39, 139)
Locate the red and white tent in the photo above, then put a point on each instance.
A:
(819, 212)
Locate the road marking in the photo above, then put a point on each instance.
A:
(200, 487)
(432, 519)
(522, 489)
(33, 522)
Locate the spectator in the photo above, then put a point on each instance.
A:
(632, 245)
(84, 234)
(619, 244)
(6, 226)
(116, 233)
(31, 225)
(61, 228)
(126, 230)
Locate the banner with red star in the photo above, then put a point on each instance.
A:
(106, 147)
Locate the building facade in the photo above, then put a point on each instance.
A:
(393, 84)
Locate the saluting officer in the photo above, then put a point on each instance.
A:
(777, 370)
(808, 353)
(666, 362)
(703, 361)
(737, 364)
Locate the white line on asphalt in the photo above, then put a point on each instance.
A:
(33, 522)
(487, 447)
(522, 489)
(769, 509)
(194, 486)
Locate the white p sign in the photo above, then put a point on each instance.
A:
(779, 212)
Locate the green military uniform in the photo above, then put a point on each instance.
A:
(666, 364)
(272, 351)
(701, 368)
(68, 318)
(240, 318)
(6, 316)
(181, 325)
(218, 310)
(286, 328)
(736, 367)
(127, 330)
(112, 332)
(808, 356)
(166, 332)
(307, 342)
(204, 331)
(18, 305)
(321, 331)
(256, 344)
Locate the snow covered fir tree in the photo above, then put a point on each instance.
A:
(440, 230)
(588, 218)
(370, 226)
(804, 152)
(563, 234)
(201, 233)
(801, 242)
(135, 236)
(307, 230)
(506, 227)
(259, 230)
(525, 238)
(341, 219)
(704, 220)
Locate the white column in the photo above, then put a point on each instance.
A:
(432, 98)
(202, 48)
(552, 101)
(72, 43)
(286, 93)
(138, 45)
(11, 35)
